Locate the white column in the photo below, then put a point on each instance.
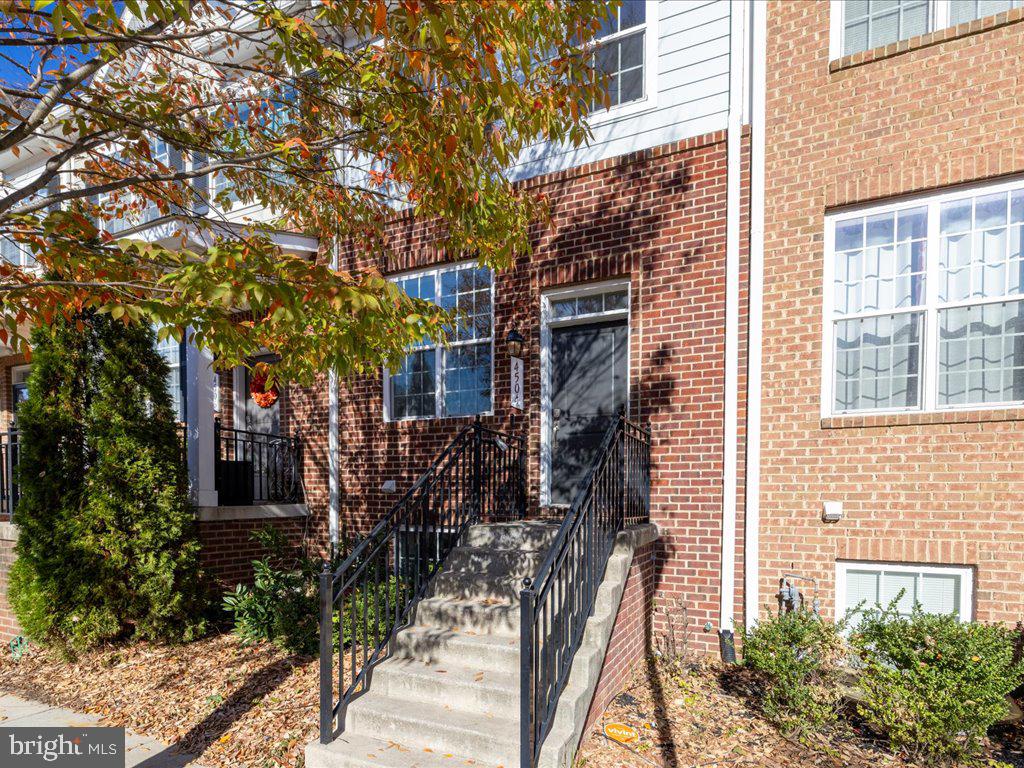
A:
(200, 383)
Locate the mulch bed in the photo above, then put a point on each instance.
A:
(230, 704)
(700, 715)
(256, 707)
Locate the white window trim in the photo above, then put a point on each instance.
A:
(437, 271)
(650, 99)
(929, 371)
(966, 574)
(938, 19)
(547, 322)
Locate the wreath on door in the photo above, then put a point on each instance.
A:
(261, 395)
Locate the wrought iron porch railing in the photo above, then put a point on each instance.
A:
(8, 484)
(9, 458)
(255, 467)
(480, 476)
(557, 602)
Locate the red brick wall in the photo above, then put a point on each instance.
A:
(229, 549)
(656, 218)
(632, 640)
(8, 624)
(923, 488)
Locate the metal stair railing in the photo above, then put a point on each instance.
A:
(480, 476)
(557, 602)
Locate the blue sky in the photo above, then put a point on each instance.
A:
(10, 73)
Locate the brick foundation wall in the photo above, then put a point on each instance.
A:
(9, 628)
(657, 219)
(228, 547)
(632, 636)
(946, 488)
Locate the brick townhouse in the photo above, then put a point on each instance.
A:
(634, 302)
(893, 372)
(792, 251)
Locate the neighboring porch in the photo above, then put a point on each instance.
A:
(255, 474)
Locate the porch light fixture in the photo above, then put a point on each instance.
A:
(515, 343)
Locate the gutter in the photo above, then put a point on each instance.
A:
(755, 322)
(730, 433)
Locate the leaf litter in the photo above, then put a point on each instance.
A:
(702, 714)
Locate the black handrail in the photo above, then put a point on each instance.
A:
(480, 476)
(8, 463)
(557, 602)
(255, 467)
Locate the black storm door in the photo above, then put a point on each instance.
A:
(588, 390)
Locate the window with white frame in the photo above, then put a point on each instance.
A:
(437, 380)
(867, 24)
(938, 589)
(19, 253)
(171, 351)
(926, 305)
(968, 10)
(621, 52)
(19, 387)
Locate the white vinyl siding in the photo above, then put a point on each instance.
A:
(938, 589)
(924, 303)
(686, 84)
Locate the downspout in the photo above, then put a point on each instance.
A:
(734, 187)
(333, 497)
(752, 484)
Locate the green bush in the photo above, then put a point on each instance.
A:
(283, 606)
(107, 546)
(366, 613)
(932, 684)
(797, 655)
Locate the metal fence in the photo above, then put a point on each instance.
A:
(558, 601)
(480, 476)
(255, 467)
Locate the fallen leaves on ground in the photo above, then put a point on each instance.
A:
(699, 715)
(230, 704)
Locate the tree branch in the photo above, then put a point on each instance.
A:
(65, 85)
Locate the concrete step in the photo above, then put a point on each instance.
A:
(498, 653)
(352, 750)
(466, 585)
(437, 726)
(526, 535)
(466, 687)
(483, 616)
(494, 561)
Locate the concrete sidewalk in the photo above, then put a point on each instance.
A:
(142, 751)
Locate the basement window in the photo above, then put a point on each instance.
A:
(938, 589)
(430, 541)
